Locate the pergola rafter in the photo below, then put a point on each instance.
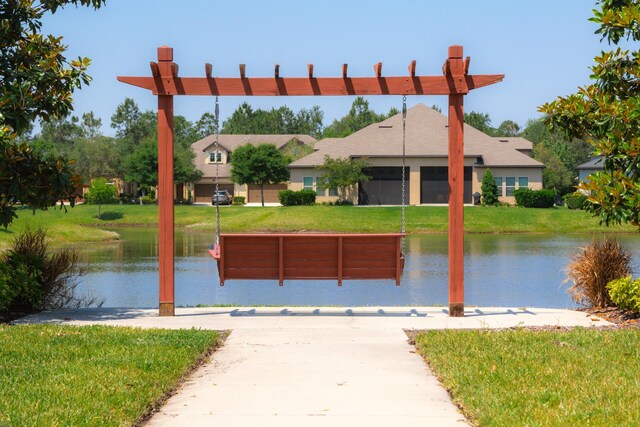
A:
(455, 82)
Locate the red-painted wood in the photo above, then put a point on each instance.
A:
(456, 68)
(455, 82)
(318, 86)
(287, 256)
(165, 188)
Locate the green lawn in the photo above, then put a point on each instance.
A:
(523, 378)
(94, 375)
(81, 224)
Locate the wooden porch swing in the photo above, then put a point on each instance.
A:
(344, 262)
(309, 256)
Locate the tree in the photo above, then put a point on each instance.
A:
(489, 189)
(259, 165)
(37, 82)
(101, 192)
(555, 175)
(359, 117)
(341, 174)
(560, 155)
(605, 114)
(246, 120)
(480, 121)
(508, 128)
(141, 166)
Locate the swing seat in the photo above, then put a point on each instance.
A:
(309, 256)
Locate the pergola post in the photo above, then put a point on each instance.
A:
(455, 70)
(166, 71)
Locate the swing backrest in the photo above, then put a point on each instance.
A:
(306, 256)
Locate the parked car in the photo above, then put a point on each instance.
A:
(222, 197)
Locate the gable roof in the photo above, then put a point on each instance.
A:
(231, 142)
(426, 136)
(596, 162)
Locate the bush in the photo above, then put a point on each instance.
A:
(625, 293)
(147, 200)
(535, 198)
(489, 189)
(238, 200)
(575, 200)
(593, 268)
(297, 198)
(34, 278)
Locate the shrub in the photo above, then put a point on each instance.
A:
(535, 198)
(33, 277)
(575, 200)
(238, 200)
(297, 198)
(625, 293)
(147, 200)
(489, 189)
(593, 268)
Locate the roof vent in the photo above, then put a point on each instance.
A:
(503, 140)
(385, 126)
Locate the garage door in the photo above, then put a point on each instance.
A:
(434, 185)
(203, 192)
(270, 193)
(384, 188)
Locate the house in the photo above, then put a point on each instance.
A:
(208, 160)
(426, 171)
(596, 164)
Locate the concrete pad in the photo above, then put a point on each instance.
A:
(321, 317)
(308, 366)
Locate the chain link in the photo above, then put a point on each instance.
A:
(404, 136)
(216, 144)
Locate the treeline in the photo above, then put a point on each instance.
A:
(132, 154)
(561, 155)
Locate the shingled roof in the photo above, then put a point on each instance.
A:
(231, 142)
(426, 136)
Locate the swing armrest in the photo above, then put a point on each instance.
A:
(215, 252)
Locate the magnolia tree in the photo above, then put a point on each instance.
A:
(606, 114)
(36, 82)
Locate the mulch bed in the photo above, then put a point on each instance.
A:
(621, 319)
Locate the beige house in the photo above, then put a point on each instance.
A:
(426, 171)
(208, 159)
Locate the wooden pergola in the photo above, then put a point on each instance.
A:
(455, 82)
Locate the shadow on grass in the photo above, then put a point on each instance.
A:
(111, 216)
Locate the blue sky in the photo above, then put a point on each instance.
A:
(544, 48)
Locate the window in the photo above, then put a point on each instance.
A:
(523, 182)
(215, 157)
(307, 183)
(511, 185)
(333, 192)
(498, 180)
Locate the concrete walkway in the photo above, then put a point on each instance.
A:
(314, 366)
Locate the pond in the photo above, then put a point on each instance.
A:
(500, 270)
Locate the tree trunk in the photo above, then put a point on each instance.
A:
(262, 194)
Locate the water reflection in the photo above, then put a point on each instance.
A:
(500, 270)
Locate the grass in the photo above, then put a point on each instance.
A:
(81, 224)
(93, 375)
(543, 378)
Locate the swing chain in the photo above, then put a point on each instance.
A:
(404, 132)
(216, 144)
